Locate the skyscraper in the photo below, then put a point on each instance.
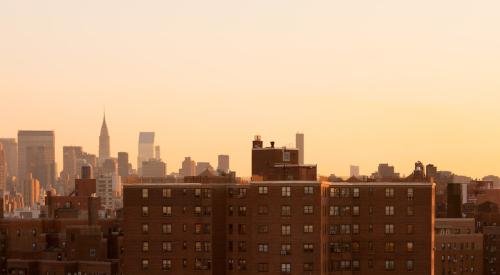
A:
(71, 155)
(157, 153)
(104, 144)
(354, 171)
(123, 165)
(188, 167)
(299, 143)
(3, 169)
(146, 148)
(36, 156)
(10, 151)
(223, 163)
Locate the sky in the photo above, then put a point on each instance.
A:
(367, 82)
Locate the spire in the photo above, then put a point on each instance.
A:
(104, 127)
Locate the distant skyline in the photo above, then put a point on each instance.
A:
(367, 82)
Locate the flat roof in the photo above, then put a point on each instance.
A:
(280, 182)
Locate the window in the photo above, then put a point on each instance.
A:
(197, 246)
(409, 246)
(92, 252)
(308, 248)
(410, 194)
(286, 156)
(334, 211)
(262, 267)
(410, 211)
(355, 246)
(389, 264)
(345, 211)
(286, 210)
(167, 210)
(242, 229)
(286, 268)
(166, 264)
(334, 192)
(145, 211)
(242, 192)
(166, 246)
(355, 229)
(145, 228)
(167, 192)
(263, 190)
(263, 248)
(355, 265)
(166, 228)
(389, 229)
(345, 192)
(308, 190)
(145, 193)
(242, 264)
(308, 209)
(230, 210)
(355, 192)
(145, 246)
(263, 229)
(370, 228)
(355, 210)
(389, 210)
(197, 192)
(145, 264)
(197, 210)
(389, 247)
(242, 211)
(285, 229)
(409, 229)
(242, 246)
(308, 266)
(389, 192)
(286, 249)
(308, 228)
(410, 264)
(345, 229)
(263, 210)
(286, 191)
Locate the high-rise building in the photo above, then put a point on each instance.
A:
(154, 168)
(36, 156)
(104, 142)
(10, 150)
(71, 157)
(202, 167)
(3, 169)
(354, 171)
(109, 167)
(299, 144)
(31, 191)
(157, 152)
(223, 163)
(188, 168)
(123, 164)
(386, 172)
(146, 148)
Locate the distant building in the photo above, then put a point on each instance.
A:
(354, 171)
(491, 250)
(123, 165)
(154, 168)
(299, 144)
(108, 189)
(10, 150)
(454, 200)
(146, 149)
(188, 168)
(157, 152)
(272, 163)
(3, 169)
(223, 163)
(36, 156)
(459, 249)
(31, 192)
(109, 167)
(104, 142)
(202, 167)
(431, 171)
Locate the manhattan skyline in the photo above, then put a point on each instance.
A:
(391, 82)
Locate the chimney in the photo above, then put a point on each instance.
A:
(93, 205)
(257, 142)
(86, 172)
(272, 144)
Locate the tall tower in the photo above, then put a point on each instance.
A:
(36, 156)
(104, 146)
(299, 143)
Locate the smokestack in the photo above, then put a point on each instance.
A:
(272, 144)
(257, 142)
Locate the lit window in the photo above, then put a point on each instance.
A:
(334, 211)
(334, 192)
(286, 268)
(286, 191)
(355, 192)
(355, 210)
(263, 248)
(308, 190)
(145, 264)
(286, 249)
(355, 229)
(308, 209)
(389, 264)
(409, 229)
(145, 193)
(286, 230)
(242, 211)
(410, 194)
(308, 228)
(286, 210)
(308, 248)
(145, 228)
(409, 246)
(145, 246)
(145, 211)
(167, 247)
(389, 192)
(167, 210)
(389, 210)
(166, 228)
(166, 264)
(389, 229)
(263, 190)
(197, 192)
(167, 192)
(410, 264)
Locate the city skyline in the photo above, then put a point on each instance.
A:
(426, 88)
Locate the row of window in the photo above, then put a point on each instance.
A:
(167, 246)
(166, 264)
(167, 193)
(166, 228)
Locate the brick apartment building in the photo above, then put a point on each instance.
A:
(279, 227)
(459, 249)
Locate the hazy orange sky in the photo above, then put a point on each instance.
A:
(366, 81)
